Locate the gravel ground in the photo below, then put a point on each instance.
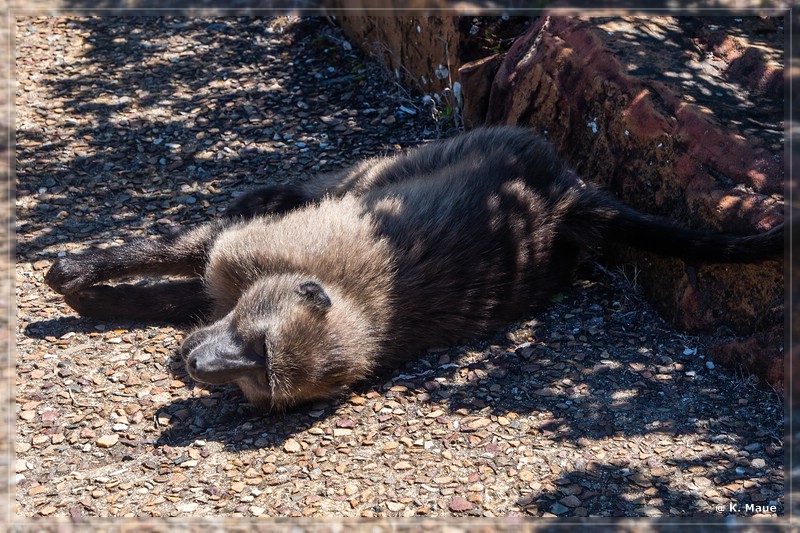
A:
(127, 126)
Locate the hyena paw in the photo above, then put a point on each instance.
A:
(69, 274)
(96, 301)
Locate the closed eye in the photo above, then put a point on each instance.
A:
(260, 348)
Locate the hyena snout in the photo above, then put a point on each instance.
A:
(218, 357)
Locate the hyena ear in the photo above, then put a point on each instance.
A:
(314, 294)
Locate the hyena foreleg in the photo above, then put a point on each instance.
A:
(183, 253)
(178, 301)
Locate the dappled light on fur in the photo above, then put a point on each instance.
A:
(358, 272)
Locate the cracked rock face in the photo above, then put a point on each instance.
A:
(679, 116)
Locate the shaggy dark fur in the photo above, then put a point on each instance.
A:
(306, 290)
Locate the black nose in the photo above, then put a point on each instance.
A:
(206, 365)
(218, 363)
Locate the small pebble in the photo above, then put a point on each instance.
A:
(459, 504)
(107, 441)
(292, 446)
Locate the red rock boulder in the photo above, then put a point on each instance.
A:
(680, 117)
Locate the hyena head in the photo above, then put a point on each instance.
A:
(286, 341)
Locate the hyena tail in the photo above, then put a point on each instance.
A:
(623, 224)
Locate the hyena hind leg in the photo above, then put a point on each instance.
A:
(176, 302)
